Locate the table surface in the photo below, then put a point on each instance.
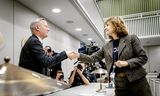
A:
(85, 90)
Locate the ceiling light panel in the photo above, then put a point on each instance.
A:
(56, 10)
(78, 29)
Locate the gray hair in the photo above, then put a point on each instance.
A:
(36, 23)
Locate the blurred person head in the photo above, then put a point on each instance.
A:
(40, 28)
(87, 64)
(60, 75)
(48, 50)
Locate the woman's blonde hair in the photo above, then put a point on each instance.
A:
(119, 25)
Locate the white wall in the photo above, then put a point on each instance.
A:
(22, 19)
(6, 28)
(15, 22)
(153, 63)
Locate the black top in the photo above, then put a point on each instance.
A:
(55, 68)
(115, 55)
(115, 49)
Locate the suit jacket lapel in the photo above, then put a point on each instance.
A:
(110, 48)
(121, 46)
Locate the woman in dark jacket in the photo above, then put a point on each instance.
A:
(126, 53)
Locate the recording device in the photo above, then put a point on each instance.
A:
(79, 66)
(158, 75)
(88, 49)
(61, 77)
(49, 50)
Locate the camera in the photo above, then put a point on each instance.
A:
(61, 77)
(88, 49)
(49, 50)
(79, 66)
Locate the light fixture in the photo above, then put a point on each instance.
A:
(78, 29)
(84, 34)
(69, 21)
(56, 10)
(90, 39)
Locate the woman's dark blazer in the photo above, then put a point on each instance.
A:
(130, 50)
(33, 56)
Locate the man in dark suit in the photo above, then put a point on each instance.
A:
(33, 56)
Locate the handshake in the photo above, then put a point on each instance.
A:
(72, 54)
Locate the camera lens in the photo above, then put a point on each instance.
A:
(49, 50)
(79, 66)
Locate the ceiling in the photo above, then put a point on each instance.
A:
(69, 18)
(126, 7)
(132, 7)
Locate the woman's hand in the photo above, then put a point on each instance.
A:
(120, 63)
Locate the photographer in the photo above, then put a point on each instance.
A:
(60, 76)
(52, 71)
(48, 50)
(79, 76)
